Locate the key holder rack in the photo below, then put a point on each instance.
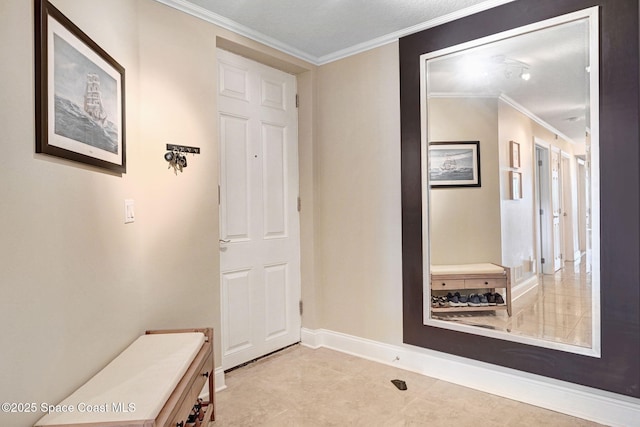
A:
(176, 156)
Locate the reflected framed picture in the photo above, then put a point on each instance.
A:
(454, 164)
(515, 154)
(79, 89)
(516, 185)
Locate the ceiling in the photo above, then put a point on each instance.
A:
(556, 92)
(321, 31)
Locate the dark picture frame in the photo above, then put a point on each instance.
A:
(80, 94)
(454, 164)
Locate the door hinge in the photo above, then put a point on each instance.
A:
(299, 204)
(300, 307)
(542, 261)
(297, 100)
(540, 163)
(541, 212)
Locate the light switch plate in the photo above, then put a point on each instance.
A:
(129, 214)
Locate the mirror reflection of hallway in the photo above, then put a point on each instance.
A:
(530, 215)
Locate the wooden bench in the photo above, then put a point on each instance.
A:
(464, 277)
(154, 382)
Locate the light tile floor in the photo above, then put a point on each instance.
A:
(558, 309)
(300, 386)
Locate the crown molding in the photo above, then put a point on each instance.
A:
(392, 37)
(228, 24)
(507, 100)
(535, 118)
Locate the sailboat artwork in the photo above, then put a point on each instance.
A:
(93, 100)
(449, 164)
(90, 123)
(454, 164)
(85, 101)
(80, 96)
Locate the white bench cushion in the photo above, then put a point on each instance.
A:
(144, 374)
(482, 268)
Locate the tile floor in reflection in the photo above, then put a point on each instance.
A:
(300, 386)
(558, 309)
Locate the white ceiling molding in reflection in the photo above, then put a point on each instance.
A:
(535, 118)
(513, 104)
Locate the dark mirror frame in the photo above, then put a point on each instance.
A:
(618, 368)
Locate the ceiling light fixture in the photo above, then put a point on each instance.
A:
(513, 67)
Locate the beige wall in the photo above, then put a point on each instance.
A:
(358, 192)
(518, 217)
(307, 131)
(465, 222)
(78, 285)
(518, 226)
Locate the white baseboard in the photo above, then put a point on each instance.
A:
(577, 257)
(218, 381)
(523, 287)
(571, 399)
(309, 338)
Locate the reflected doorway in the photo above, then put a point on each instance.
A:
(582, 209)
(543, 209)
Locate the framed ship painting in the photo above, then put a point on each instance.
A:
(79, 94)
(454, 164)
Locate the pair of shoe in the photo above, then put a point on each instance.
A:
(456, 300)
(494, 299)
(439, 301)
(478, 300)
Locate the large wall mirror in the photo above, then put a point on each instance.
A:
(510, 185)
(520, 183)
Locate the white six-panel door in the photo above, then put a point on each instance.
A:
(259, 221)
